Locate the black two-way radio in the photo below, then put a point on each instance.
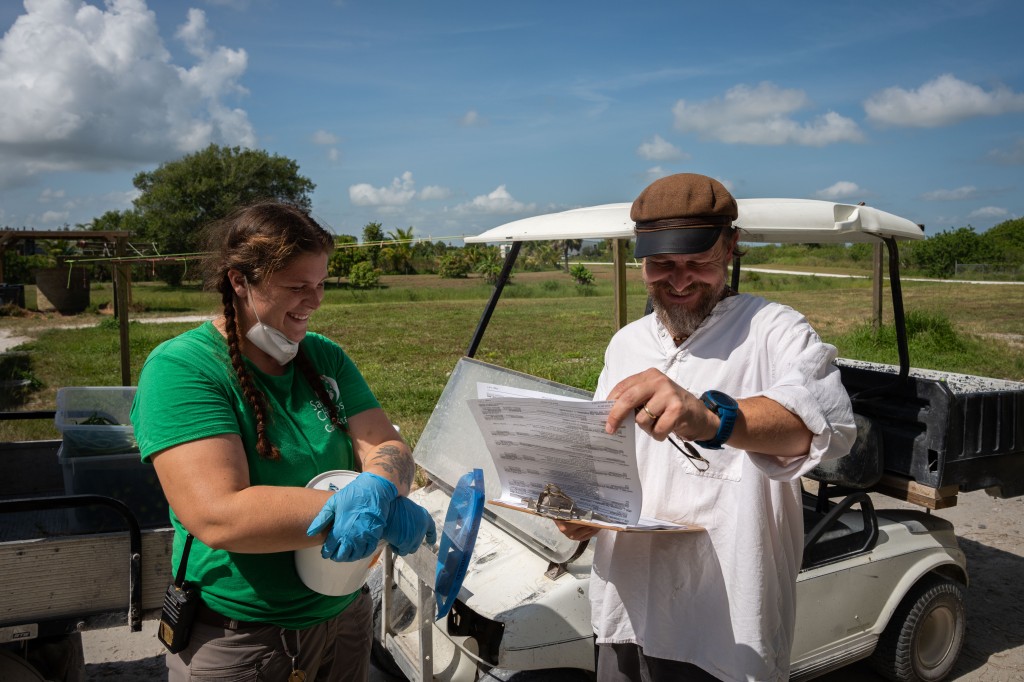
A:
(180, 604)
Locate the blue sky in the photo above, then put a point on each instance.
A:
(454, 117)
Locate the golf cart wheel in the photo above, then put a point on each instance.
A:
(923, 639)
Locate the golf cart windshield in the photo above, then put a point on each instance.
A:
(452, 444)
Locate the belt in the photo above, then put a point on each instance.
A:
(206, 615)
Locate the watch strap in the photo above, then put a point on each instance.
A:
(726, 410)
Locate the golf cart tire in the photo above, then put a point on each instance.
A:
(923, 639)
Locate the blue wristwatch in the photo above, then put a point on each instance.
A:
(726, 408)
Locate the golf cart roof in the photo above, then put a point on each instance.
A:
(762, 220)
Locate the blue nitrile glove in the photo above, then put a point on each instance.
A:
(356, 516)
(408, 525)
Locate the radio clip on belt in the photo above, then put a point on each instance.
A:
(180, 604)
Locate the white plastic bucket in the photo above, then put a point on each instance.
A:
(325, 576)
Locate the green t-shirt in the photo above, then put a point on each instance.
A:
(188, 391)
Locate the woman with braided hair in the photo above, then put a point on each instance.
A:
(237, 416)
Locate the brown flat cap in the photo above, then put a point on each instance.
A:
(682, 213)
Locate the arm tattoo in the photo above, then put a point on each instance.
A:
(395, 461)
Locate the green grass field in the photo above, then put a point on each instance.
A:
(407, 336)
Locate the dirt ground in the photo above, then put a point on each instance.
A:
(989, 531)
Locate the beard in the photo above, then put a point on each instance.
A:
(680, 320)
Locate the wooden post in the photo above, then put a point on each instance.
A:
(122, 283)
(876, 286)
(619, 262)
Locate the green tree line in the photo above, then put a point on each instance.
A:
(179, 197)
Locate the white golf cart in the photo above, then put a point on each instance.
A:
(881, 583)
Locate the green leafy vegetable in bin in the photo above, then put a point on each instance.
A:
(98, 420)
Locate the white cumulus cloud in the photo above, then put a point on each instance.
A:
(659, 149)
(433, 192)
(1012, 156)
(87, 87)
(54, 218)
(195, 34)
(988, 213)
(49, 194)
(844, 189)
(940, 102)
(499, 201)
(764, 115)
(471, 118)
(655, 172)
(958, 194)
(400, 192)
(322, 137)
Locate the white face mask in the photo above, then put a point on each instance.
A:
(269, 340)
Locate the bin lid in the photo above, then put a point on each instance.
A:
(461, 525)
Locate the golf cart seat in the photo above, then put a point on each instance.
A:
(830, 532)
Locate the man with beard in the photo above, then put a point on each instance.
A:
(735, 398)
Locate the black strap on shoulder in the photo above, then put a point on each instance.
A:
(179, 577)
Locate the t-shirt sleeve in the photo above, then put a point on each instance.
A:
(177, 403)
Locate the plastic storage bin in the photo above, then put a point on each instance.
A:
(124, 477)
(94, 420)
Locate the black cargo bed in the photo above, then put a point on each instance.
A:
(942, 429)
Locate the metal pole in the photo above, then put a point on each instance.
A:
(876, 287)
(481, 326)
(619, 262)
(121, 286)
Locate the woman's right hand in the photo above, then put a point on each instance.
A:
(408, 526)
(355, 518)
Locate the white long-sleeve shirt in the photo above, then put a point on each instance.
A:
(723, 599)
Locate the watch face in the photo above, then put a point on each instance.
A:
(721, 399)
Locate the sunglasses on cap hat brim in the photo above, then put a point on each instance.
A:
(650, 242)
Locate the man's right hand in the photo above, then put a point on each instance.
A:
(660, 407)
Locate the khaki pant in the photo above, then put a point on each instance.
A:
(338, 649)
(628, 663)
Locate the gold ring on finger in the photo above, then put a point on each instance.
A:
(650, 414)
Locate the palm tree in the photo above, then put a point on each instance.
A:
(400, 252)
(570, 245)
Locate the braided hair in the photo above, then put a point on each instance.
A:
(258, 240)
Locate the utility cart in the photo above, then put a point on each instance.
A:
(885, 584)
(85, 540)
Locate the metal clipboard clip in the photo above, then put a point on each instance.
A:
(555, 504)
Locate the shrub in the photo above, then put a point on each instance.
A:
(490, 266)
(364, 276)
(581, 275)
(453, 266)
(551, 285)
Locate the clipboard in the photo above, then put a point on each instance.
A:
(554, 504)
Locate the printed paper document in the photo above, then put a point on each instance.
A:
(536, 439)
